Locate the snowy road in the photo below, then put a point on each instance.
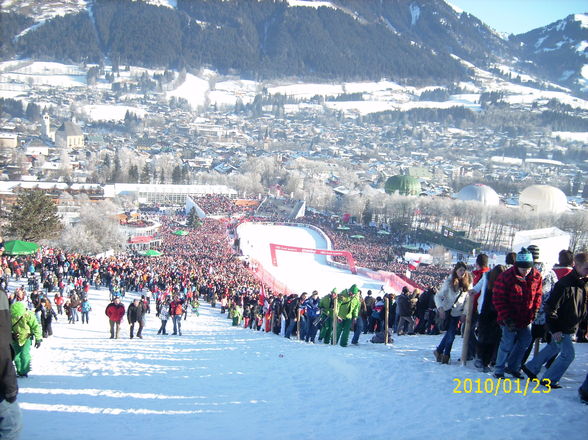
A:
(224, 382)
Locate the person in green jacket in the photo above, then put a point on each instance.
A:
(236, 313)
(24, 327)
(349, 306)
(326, 306)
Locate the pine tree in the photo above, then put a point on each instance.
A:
(33, 217)
(146, 174)
(133, 174)
(177, 175)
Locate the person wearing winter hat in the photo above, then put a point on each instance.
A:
(538, 329)
(327, 308)
(564, 310)
(517, 297)
(347, 313)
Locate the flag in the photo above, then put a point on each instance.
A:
(261, 295)
(413, 265)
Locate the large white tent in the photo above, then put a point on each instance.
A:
(479, 193)
(543, 199)
(549, 240)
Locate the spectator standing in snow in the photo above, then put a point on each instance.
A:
(451, 299)
(135, 314)
(163, 315)
(115, 312)
(516, 297)
(86, 308)
(46, 315)
(403, 311)
(25, 326)
(10, 416)
(176, 310)
(565, 308)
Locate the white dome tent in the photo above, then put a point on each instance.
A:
(478, 193)
(543, 199)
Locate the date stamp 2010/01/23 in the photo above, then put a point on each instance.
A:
(502, 386)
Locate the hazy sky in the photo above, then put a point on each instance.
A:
(520, 16)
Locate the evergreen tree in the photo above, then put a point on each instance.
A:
(133, 174)
(177, 175)
(33, 217)
(116, 171)
(146, 174)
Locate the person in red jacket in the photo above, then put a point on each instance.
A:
(115, 312)
(517, 297)
(176, 310)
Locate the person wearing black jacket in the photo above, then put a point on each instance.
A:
(566, 307)
(10, 416)
(277, 308)
(135, 314)
(404, 312)
(369, 308)
(291, 314)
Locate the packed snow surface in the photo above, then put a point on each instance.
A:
(223, 382)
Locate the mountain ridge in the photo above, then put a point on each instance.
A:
(408, 41)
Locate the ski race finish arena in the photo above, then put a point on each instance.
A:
(296, 259)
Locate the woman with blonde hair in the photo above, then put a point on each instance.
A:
(451, 299)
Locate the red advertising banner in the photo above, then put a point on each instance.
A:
(279, 247)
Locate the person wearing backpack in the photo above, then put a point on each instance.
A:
(24, 327)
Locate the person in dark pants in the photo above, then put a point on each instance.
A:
(451, 300)
(583, 391)
(488, 329)
(370, 301)
(10, 416)
(566, 307)
(359, 322)
(115, 312)
(135, 316)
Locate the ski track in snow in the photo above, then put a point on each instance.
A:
(224, 382)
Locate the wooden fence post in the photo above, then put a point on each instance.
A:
(386, 316)
(335, 318)
(467, 329)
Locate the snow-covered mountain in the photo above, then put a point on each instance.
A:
(410, 41)
(560, 49)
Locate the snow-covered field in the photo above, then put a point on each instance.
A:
(209, 88)
(223, 382)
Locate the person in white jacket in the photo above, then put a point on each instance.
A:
(451, 299)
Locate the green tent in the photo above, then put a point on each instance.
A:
(18, 247)
(151, 253)
(382, 232)
(343, 228)
(403, 185)
(180, 232)
(358, 236)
